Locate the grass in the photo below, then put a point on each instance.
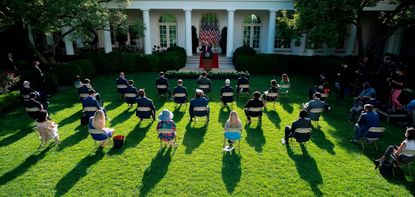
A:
(327, 165)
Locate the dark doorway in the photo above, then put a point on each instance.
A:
(195, 40)
(223, 40)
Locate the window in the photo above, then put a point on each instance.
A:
(252, 31)
(168, 31)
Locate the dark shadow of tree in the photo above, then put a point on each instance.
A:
(79, 171)
(24, 166)
(156, 171)
(224, 114)
(231, 170)
(255, 137)
(319, 138)
(274, 117)
(287, 107)
(307, 168)
(193, 137)
(81, 132)
(133, 138)
(19, 129)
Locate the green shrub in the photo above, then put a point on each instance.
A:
(66, 72)
(10, 101)
(241, 51)
(196, 74)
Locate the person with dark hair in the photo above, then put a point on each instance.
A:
(367, 96)
(33, 107)
(180, 89)
(368, 119)
(273, 89)
(162, 81)
(46, 128)
(130, 94)
(227, 89)
(84, 89)
(404, 153)
(121, 83)
(242, 80)
(321, 86)
(200, 100)
(397, 84)
(10, 64)
(143, 103)
(313, 104)
(385, 71)
(302, 122)
(204, 83)
(255, 102)
(38, 77)
(91, 102)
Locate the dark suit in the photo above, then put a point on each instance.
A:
(253, 103)
(226, 99)
(312, 105)
(242, 81)
(90, 102)
(180, 89)
(199, 102)
(145, 102)
(300, 123)
(205, 81)
(121, 81)
(366, 120)
(33, 104)
(38, 79)
(163, 81)
(10, 65)
(130, 90)
(206, 51)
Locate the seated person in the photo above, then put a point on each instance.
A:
(302, 122)
(163, 81)
(180, 89)
(242, 80)
(144, 102)
(367, 96)
(121, 83)
(130, 93)
(321, 86)
(47, 129)
(368, 119)
(313, 104)
(285, 81)
(91, 102)
(233, 129)
(33, 107)
(204, 81)
(411, 112)
(255, 102)
(166, 122)
(77, 83)
(404, 153)
(273, 89)
(84, 89)
(26, 90)
(199, 101)
(97, 122)
(226, 89)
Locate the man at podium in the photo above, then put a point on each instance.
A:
(206, 56)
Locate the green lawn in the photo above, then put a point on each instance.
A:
(327, 165)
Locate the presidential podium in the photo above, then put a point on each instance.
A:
(207, 63)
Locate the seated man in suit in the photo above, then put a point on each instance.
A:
(86, 86)
(129, 93)
(273, 89)
(410, 108)
(367, 96)
(121, 83)
(242, 80)
(89, 102)
(163, 81)
(313, 104)
(368, 119)
(226, 89)
(144, 102)
(26, 90)
(204, 81)
(255, 102)
(302, 122)
(180, 89)
(200, 101)
(33, 107)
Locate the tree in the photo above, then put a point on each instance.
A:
(49, 16)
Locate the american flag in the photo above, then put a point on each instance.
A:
(209, 33)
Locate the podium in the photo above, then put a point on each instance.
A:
(209, 63)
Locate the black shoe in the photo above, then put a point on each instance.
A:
(191, 120)
(377, 164)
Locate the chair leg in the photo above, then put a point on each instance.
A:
(376, 145)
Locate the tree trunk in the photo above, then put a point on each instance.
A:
(25, 35)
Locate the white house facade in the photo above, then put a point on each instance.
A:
(247, 22)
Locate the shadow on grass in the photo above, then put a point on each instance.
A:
(81, 132)
(114, 104)
(231, 170)
(255, 136)
(307, 168)
(24, 166)
(224, 114)
(122, 117)
(193, 137)
(178, 113)
(71, 119)
(319, 139)
(134, 137)
(79, 171)
(287, 107)
(156, 171)
(14, 123)
(274, 117)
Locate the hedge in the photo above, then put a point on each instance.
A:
(196, 74)
(66, 72)
(10, 101)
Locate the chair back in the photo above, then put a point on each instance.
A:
(324, 95)
(130, 95)
(204, 86)
(25, 97)
(303, 130)
(285, 86)
(90, 109)
(245, 86)
(255, 109)
(272, 94)
(32, 109)
(200, 109)
(374, 133)
(165, 131)
(143, 109)
(320, 87)
(98, 135)
(302, 134)
(161, 86)
(227, 94)
(179, 95)
(316, 110)
(83, 95)
(121, 86)
(233, 130)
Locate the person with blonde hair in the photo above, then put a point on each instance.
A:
(285, 81)
(97, 122)
(233, 130)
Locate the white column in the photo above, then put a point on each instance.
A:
(229, 43)
(351, 40)
(301, 48)
(68, 41)
(147, 39)
(188, 31)
(107, 37)
(271, 31)
(394, 42)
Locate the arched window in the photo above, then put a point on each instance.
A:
(168, 30)
(252, 31)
